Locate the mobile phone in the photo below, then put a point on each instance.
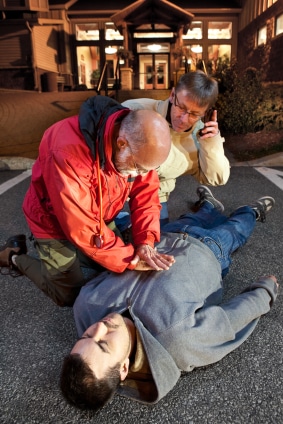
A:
(207, 117)
(208, 114)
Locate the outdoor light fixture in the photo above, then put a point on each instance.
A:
(154, 47)
(197, 49)
(110, 50)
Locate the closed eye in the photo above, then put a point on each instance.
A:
(103, 345)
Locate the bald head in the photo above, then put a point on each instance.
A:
(148, 135)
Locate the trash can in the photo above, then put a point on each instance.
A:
(51, 81)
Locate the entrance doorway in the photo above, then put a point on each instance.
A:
(153, 69)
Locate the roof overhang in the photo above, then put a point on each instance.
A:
(153, 12)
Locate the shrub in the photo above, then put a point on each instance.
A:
(271, 108)
(240, 97)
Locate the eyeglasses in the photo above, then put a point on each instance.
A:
(139, 169)
(184, 111)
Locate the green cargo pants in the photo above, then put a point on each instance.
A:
(58, 270)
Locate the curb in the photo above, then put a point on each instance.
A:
(15, 163)
(19, 163)
(272, 160)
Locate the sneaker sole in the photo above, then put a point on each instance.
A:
(210, 198)
(203, 188)
(270, 202)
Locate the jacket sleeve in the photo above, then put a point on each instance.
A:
(205, 160)
(73, 198)
(217, 330)
(214, 167)
(145, 209)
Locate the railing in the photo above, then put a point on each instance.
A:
(106, 84)
(102, 79)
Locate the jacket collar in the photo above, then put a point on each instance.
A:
(93, 121)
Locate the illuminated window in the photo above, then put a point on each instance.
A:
(279, 25)
(219, 30)
(219, 51)
(112, 33)
(145, 31)
(87, 32)
(88, 64)
(195, 31)
(261, 35)
(271, 2)
(153, 34)
(192, 55)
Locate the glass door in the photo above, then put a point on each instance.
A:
(153, 71)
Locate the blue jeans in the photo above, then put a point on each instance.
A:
(164, 215)
(223, 235)
(123, 219)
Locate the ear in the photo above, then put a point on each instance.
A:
(124, 369)
(172, 94)
(121, 143)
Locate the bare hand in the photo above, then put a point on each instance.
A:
(147, 258)
(210, 128)
(272, 277)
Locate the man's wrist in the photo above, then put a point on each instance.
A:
(131, 266)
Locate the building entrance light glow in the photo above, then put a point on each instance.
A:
(154, 47)
(197, 49)
(110, 50)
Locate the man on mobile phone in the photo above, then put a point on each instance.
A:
(196, 147)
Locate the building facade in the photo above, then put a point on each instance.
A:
(144, 44)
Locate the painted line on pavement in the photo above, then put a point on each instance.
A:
(14, 181)
(273, 175)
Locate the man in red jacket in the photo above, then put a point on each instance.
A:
(88, 167)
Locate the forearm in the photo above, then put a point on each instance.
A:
(214, 167)
(255, 301)
(145, 210)
(218, 330)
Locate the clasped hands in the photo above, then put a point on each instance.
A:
(148, 259)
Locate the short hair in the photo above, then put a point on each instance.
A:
(82, 388)
(134, 130)
(202, 89)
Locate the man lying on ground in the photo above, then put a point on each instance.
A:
(138, 330)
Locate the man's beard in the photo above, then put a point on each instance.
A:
(121, 164)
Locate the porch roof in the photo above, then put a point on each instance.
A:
(153, 12)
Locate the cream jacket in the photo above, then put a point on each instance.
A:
(205, 160)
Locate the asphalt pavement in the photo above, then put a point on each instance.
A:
(244, 387)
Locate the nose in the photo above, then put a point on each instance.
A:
(185, 117)
(100, 330)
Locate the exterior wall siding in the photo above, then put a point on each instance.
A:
(16, 70)
(15, 46)
(46, 47)
(267, 57)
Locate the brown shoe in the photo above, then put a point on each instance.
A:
(15, 245)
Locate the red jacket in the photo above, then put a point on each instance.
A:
(63, 199)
